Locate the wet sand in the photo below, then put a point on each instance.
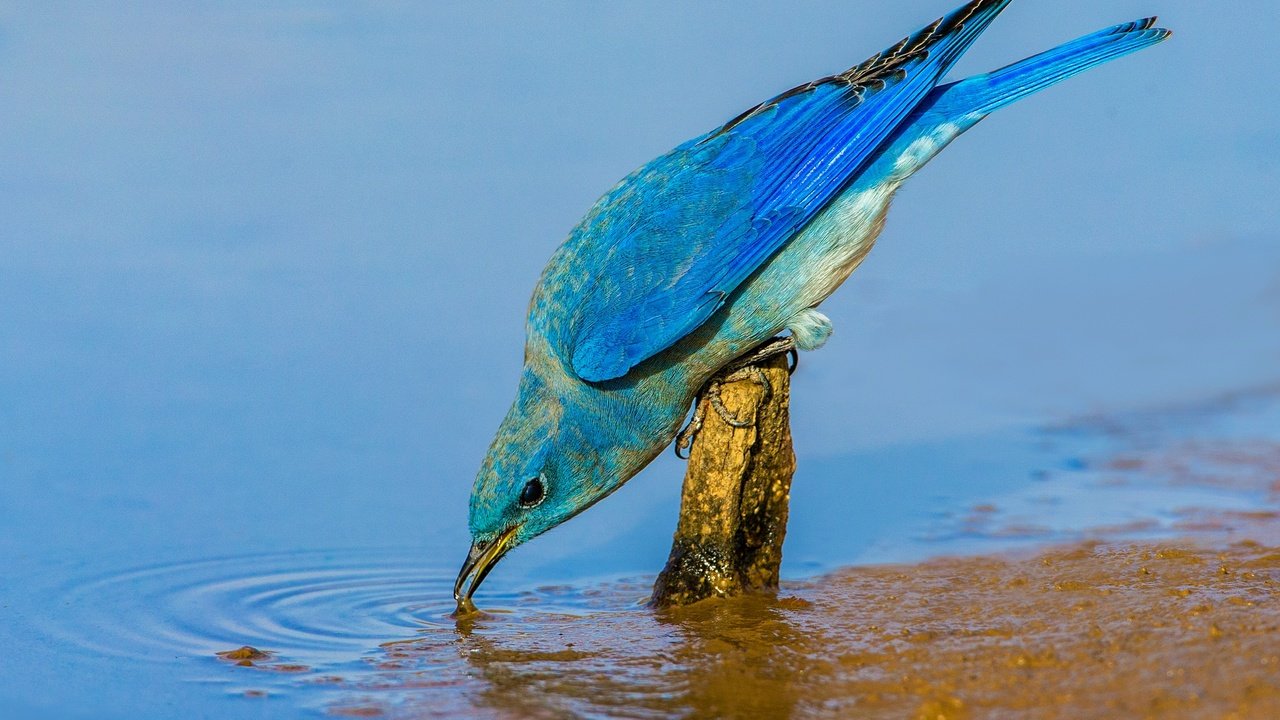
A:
(1096, 630)
(1090, 631)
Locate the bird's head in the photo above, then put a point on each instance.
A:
(541, 470)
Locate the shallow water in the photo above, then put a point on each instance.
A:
(369, 631)
(1090, 631)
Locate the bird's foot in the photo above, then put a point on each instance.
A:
(684, 439)
(750, 372)
(762, 352)
(744, 368)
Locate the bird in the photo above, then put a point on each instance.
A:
(705, 254)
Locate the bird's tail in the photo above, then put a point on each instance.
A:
(982, 94)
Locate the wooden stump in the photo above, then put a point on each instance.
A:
(733, 509)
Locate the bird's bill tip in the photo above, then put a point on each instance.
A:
(480, 560)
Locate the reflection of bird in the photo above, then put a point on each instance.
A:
(708, 251)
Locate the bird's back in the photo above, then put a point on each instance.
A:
(666, 249)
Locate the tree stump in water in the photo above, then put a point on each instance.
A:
(733, 509)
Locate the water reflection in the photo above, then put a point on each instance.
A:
(750, 657)
(746, 657)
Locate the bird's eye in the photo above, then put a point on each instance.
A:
(532, 493)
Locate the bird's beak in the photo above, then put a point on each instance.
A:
(481, 559)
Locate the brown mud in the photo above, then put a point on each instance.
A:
(1095, 630)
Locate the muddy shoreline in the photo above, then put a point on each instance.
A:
(1176, 629)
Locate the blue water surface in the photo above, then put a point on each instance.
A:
(263, 271)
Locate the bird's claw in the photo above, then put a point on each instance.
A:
(762, 352)
(750, 372)
(684, 440)
(744, 368)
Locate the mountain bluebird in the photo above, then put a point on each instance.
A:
(709, 251)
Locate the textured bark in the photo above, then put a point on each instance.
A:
(733, 509)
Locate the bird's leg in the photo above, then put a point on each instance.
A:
(743, 368)
(762, 352)
(684, 440)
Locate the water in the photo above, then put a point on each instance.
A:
(262, 275)
(370, 630)
(321, 606)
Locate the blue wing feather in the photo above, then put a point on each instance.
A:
(683, 232)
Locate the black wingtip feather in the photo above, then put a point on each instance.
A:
(886, 66)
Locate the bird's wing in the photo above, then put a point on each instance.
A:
(684, 231)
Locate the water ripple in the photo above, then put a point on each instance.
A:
(312, 607)
(325, 627)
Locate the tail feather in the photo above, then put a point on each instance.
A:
(950, 110)
(982, 94)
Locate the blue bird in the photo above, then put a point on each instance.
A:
(704, 254)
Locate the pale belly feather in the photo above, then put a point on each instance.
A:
(838, 240)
